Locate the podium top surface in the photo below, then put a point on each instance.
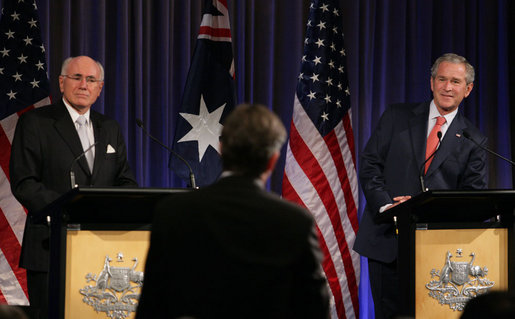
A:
(109, 204)
(455, 206)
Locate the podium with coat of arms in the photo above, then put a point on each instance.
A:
(453, 246)
(98, 246)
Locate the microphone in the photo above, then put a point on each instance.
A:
(466, 134)
(422, 173)
(192, 176)
(72, 173)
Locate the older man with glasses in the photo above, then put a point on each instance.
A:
(53, 140)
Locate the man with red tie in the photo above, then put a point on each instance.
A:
(413, 140)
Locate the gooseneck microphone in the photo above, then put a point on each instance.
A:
(192, 176)
(422, 173)
(466, 134)
(72, 173)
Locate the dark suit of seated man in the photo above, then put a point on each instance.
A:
(232, 249)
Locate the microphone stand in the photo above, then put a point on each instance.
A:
(72, 173)
(171, 151)
(422, 173)
(468, 137)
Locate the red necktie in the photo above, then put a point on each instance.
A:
(432, 140)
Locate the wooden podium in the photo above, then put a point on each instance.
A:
(452, 245)
(98, 247)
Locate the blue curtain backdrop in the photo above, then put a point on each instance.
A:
(146, 47)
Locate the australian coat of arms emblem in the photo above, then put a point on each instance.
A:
(116, 289)
(458, 281)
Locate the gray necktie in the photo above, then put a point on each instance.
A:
(84, 139)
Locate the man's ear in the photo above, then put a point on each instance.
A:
(61, 83)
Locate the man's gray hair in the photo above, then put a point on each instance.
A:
(68, 60)
(454, 58)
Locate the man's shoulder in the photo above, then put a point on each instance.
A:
(474, 132)
(409, 106)
(103, 119)
(254, 197)
(48, 111)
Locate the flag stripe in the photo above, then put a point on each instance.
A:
(5, 146)
(348, 152)
(215, 32)
(11, 290)
(2, 297)
(332, 142)
(11, 209)
(11, 256)
(316, 177)
(327, 264)
(316, 146)
(309, 197)
(350, 137)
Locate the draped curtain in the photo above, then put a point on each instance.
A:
(146, 48)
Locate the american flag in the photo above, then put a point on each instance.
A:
(320, 171)
(23, 86)
(209, 96)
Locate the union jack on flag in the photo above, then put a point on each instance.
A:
(320, 170)
(209, 96)
(23, 86)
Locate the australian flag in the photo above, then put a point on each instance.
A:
(209, 96)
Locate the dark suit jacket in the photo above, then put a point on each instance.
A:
(233, 250)
(391, 164)
(44, 146)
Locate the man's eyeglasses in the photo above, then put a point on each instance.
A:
(77, 77)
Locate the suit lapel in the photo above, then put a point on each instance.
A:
(65, 127)
(449, 143)
(418, 131)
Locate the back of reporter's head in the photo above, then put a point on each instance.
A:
(250, 137)
(494, 305)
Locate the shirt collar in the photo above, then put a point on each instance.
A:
(433, 113)
(256, 181)
(74, 114)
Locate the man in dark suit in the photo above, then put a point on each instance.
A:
(45, 147)
(392, 163)
(232, 249)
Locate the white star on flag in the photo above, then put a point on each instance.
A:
(205, 128)
(12, 95)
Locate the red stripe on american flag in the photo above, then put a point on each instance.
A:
(5, 146)
(350, 136)
(332, 144)
(11, 249)
(305, 158)
(316, 175)
(334, 148)
(3, 301)
(28, 108)
(327, 263)
(332, 278)
(224, 2)
(221, 33)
